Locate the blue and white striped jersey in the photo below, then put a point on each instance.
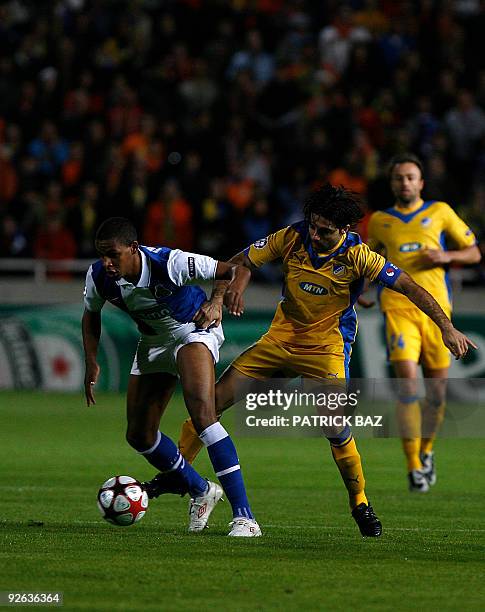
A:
(163, 302)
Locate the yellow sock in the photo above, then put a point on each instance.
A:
(348, 461)
(189, 442)
(409, 421)
(410, 447)
(432, 417)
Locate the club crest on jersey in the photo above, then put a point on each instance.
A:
(409, 247)
(260, 244)
(338, 269)
(159, 291)
(313, 289)
(426, 221)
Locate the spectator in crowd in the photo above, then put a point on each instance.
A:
(147, 108)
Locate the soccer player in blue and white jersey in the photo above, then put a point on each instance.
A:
(152, 286)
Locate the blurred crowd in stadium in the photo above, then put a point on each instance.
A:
(206, 122)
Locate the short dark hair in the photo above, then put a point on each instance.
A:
(337, 204)
(405, 158)
(119, 229)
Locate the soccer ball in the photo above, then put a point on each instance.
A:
(122, 500)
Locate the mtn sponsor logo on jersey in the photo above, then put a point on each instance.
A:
(426, 221)
(160, 291)
(338, 269)
(409, 247)
(313, 289)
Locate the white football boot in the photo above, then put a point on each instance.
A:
(418, 483)
(200, 507)
(427, 459)
(244, 528)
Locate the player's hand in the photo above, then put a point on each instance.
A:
(434, 257)
(365, 303)
(233, 301)
(210, 313)
(90, 379)
(457, 342)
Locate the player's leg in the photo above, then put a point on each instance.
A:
(404, 330)
(432, 414)
(147, 398)
(196, 368)
(258, 362)
(225, 393)
(436, 362)
(342, 443)
(408, 414)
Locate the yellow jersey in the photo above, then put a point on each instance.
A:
(320, 289)
(403, 234)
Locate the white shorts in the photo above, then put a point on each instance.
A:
(152, 356)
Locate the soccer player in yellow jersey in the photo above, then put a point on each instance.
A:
(422, 238)
(315, 324)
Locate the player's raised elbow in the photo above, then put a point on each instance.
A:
(475, 255)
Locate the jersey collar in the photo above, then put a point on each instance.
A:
(144, 276)
(399, 213)
(318, 259)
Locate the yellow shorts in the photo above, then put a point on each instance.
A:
(412, 335)
(268, 358)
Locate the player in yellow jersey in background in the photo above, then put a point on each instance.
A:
(315, 323)
(422, 238)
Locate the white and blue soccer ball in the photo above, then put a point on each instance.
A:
(122, 500)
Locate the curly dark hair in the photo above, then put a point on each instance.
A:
(118, 229)
(336, 204)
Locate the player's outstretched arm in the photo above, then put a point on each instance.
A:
(91, 327)
(453, 339)
(230, 283)
(240, 277)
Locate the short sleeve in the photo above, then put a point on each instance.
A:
(457, 230)
(183, 267)
(373, 266)
(92, 300)
(268, 249)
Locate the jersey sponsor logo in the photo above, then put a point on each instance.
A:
(338, 269)
(408, 247)
(426, 221)
(387, 225)
(391, 269)
(152, 314)
(260, 244)
(191, 266)
(159, 291)
(313, 289)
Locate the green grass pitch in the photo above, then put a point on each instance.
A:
(55, 452)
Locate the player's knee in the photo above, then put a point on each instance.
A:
(140, 440)
(435, 401)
